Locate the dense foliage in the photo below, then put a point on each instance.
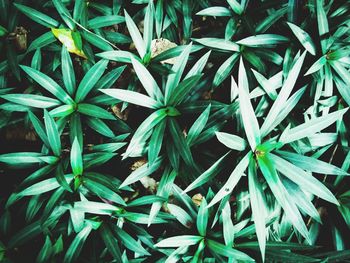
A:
(174, 131)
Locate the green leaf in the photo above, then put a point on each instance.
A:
(317, 65)
(250, 123)
(218, 43)
(37, 16)
(61, 178)
(311, 164)
(90, 79)
(341, 71)
(135, 35)
(258, 206)
(52, 134)
(302, 200)
(148, 26)
(97, 208)
(304, 180)
(39, 128)
(141, 172)
(48, 83)
(231, 141)
(207, 175)
(198, 66)
(233, 179)
(177, 241)
(105, 21)
(202, 218)
(76, 158)
(41, 41)
(304, 38)
(68, 71)
(268, 169)
(225, 69)
(46, 251)
(146, 200)
(102, 190)
(42, 187)
(198, 126)
(31, 100)
(77, 245)
(180, 142)
(62, 111)
(228, 227)
(322, 24)
(99, 126)
(215, 11)
(130, 242)
(183, 89)
(311, 127)
(21, 158)
(178, 68)
(64, 13)
(262, 40)
(132, 97)
(94, 111)
(227, 251)
(110, 242)
(155, 143)
(142, 132)
(181, 215)
(117, 55)
(286, 89)
(147, 80)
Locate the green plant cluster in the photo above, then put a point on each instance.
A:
(175, 131)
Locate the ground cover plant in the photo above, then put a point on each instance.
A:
(174, 131)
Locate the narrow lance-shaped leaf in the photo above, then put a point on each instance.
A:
(76, 158)
(52, 134)
(282, 96)
(202, 218)
(312, 164)
(268, 169)
(110, 242)
(178, 241)
(156, 140)
(257, 205)
(207, 175)
(37, 16)
(178, 68)
(90, 79)
(198, 126)
(311, 127)
(130, 242)
(147, 80)
(77, 245)
(32, 100)
(132, 97)
(49, 84)
(142, 132)
(261, 40)
(215, 11)
(181, 215)
(231, 141)
(64, 13)
(322, 24)
(68, 71)
(304, 38)
(232, 181)
(135, 35)
(250, 123)
(148, 28)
